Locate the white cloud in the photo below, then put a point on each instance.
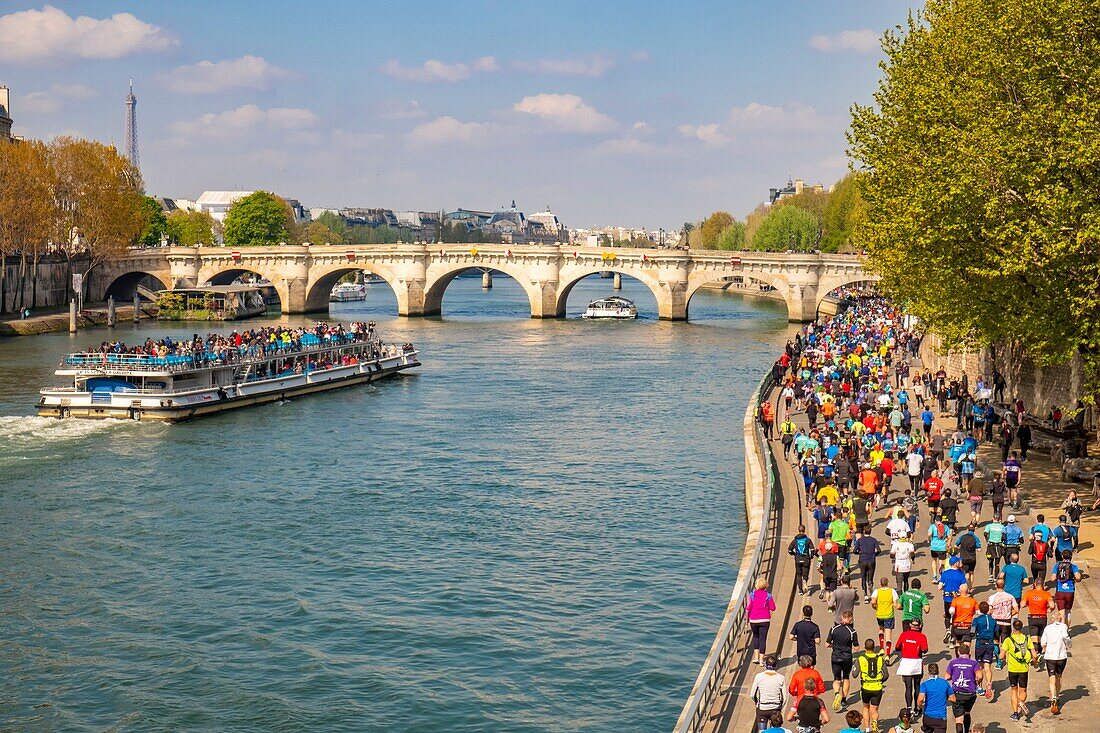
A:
(638, 140)
(449, 130)
(396, 109)
(794, 116)
(566, 112)
(53, 100)
(710, 134)
(591, 66)
(865, 41)
(244, 119)
(433, 70)
(35, 35)
(211, 77)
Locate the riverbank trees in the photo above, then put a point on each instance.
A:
(69, 198)
(981, 154)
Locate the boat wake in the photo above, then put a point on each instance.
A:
(24, 435)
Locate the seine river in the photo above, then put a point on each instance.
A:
(537, 532)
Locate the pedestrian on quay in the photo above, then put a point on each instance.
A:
(873, 674)
(1073, 508)
(768, 692)
(1066, 575)
(806, 635)
(803, 551)
(843, 643)
(984, 629)
(1054, 645)
(767, 419)
(965, 676)
(760, 606)
(911, 648)
(935, 692)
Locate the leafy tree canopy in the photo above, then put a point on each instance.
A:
(733, 237)
(156, 223)
(844, 214)
(712, 227)
(318, 233)
(981, 155)
(190, 228)
(257, 219)
(786, 227)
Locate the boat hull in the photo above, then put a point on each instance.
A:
(206, 402)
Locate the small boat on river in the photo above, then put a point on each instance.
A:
(172, 381)
(615, 308)
(348, 292)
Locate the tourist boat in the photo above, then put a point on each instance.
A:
(173, 388)
(613, 307)
(346, 292)
(211, 303)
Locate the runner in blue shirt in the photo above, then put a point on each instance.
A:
(1065, 577)
(1064, 535)
(1041, 527)
(951, 580)
(1014, 576)
(932, 698)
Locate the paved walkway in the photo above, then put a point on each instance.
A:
(1043, 488)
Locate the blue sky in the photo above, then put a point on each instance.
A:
(636, 114)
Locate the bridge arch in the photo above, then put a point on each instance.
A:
(225, 275)
(570, 275)
(324, 277)
(440, 275)
(829, 283)
(700, 278)
(124, 286)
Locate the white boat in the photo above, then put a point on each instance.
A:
(346, 292)
(193, 379)
(613, 307)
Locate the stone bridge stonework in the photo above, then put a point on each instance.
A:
(303, 275)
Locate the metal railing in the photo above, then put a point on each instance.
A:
(708, 684)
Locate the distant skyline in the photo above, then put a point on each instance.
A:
(651, 118)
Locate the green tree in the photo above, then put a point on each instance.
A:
(733, 237)
(317, 233)
(786, 227)
(335, 223)
(844, 214)
(156, 223)
(190, 228)
(981, 152)
(259, 218)
(712, 228)
(809, 200)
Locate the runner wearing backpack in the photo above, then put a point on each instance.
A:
(873, 673)
(1017, 653)
(803, 551)
(1065, 576)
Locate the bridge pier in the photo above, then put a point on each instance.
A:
(672, 301)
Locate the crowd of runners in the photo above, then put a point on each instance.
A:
(887, 493)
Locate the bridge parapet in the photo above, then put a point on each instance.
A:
(420, 272)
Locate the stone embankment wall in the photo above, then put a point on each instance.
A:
(1038, 386)
(44, 286)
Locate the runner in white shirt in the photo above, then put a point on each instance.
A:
(897, 527)
(1055, 644)
(902, 551)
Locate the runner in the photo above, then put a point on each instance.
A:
(806, 636)
(1014, 576)
(968, 545)
(951, 580)
(935, 693)
(884, 600)
(984, 628)
(866, 549)
(963, 610)
(965, 675)
(843, 642)
(768, 692)
(873, 675)
(938, 537)
(1055, 644)
(1003, 608)
(1039, 603)
(803, 551)
(806, 671)
(902, 550)
(809, 710)
(1017, 653)
(994, 546)
(912, 646)
(1066, 575)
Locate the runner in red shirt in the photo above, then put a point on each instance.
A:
(911, 648)
(933, 487)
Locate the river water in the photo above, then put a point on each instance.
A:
(537, 532)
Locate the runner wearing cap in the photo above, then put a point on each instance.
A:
(1014, 536)
(951, 580)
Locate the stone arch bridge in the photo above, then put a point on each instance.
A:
(303, 275)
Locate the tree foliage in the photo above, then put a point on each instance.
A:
(190, 228)
(786, 227)
(317, 233)
(27, 211)
(156, 223)
(258, 219)
(712, 227)
(732, 237)
(844, 215)
(981, 155)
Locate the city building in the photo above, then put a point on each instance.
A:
(5, 115)
(549, 221)
(217, 203)
(793, 188)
